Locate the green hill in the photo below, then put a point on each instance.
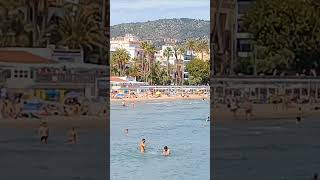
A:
(180, 29)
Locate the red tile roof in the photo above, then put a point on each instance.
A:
(117, 79)
(23, 57)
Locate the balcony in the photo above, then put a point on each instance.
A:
(244, 35)
(65, 78)
(244, 54)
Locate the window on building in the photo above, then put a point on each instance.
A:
(25, 74)
(15, 74)
(244, 45)
(21, 74)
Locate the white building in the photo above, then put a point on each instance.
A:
(162, 58)
(34, 71)
(129, 42)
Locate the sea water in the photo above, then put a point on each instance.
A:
(180, 125)
(23, 157)
(276, 149)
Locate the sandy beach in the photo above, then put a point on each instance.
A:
(162, 98)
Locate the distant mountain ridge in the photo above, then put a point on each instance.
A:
(180, 29)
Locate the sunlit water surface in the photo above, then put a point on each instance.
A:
(181, 125)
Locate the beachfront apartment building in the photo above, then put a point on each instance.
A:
(244, 48)
(39, 72)
(222, 30)
(160, 56)
(231, 39)
(128, 42)
(187, 57)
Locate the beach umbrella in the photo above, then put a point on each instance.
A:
(120, 95)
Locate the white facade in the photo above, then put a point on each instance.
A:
(163, 59)
(128, 42)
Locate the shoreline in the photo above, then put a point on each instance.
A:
(173, 98)
(267, 112)
(87, 122)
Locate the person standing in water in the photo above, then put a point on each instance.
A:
(166, 151)
(248, 109)
(73, 136)
(234, 108)
(44, 133)
(142, 146)
(299, 116)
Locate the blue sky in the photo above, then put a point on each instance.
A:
(126, 11)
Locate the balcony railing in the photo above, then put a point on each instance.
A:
(65, 78)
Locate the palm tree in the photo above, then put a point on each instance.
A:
(181, 53)
(120, 59)
(176, 53)
(144, 46)
(168, 53)
(13, 26)
(148, 53)
(156, 73)
(135, 71)
(80, 29)
(191, 45)
(202, 46)
(39, 21)
(151, 50)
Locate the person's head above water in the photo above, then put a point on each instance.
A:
(165, 148)
(143, 140)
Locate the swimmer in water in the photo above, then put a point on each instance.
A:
(315, 176)
(208, 118)
(298, 120)
(73, 136)
(132, 103)
(123, 103)
(299, 117)
(166, 151)
(142, 146)
(126, 131)
(44, 133)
